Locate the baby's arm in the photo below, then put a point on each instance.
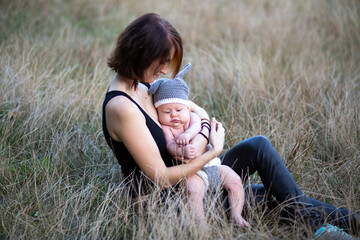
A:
(179, 152)
(193, 129)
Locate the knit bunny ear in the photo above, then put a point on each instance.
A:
(154, 86)
(183, 71)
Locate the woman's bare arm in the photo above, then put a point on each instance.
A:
(126, 123)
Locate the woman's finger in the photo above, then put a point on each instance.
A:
(214, 123)
(217, 134)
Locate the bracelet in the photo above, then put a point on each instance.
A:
(205, 137)
(206, 123)
(205, 126)
(206, 120)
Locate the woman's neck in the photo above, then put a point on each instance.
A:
(140, 95)
(126, 85)
(123, 84)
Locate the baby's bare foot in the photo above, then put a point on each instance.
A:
(189, 151)
(240, 221)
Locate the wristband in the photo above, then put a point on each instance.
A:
(205, 137)
(205, 126)
(206, 123)
(206, 120)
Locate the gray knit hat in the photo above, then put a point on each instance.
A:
(171, 90)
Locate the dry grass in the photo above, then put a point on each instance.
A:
(288, 70)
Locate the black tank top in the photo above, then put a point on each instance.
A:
(133, 176)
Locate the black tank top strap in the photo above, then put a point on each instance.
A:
(110, 95)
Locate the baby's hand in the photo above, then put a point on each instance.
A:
(189, 151)
(183, 139)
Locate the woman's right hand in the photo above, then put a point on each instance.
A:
(217, 135)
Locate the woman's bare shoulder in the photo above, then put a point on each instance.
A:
(121, 106)
(121, 113)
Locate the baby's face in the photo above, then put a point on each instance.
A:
(173, 114)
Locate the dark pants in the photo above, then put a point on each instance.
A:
(279, 187)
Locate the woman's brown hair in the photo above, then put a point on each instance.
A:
(145, 40)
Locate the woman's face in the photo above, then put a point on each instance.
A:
(157, 68)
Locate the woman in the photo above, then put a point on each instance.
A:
(148, 47)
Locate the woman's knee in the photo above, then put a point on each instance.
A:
(262, 152)
(260, 146)
(259, 142)
(245, 157)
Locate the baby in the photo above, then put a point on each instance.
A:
(180, 126)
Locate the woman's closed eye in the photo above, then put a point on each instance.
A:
(166, 61)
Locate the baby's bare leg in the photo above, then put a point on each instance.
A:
(195, 188)
(236, 195)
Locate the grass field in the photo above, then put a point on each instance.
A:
(288, 70)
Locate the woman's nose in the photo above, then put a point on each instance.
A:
(164, 70)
